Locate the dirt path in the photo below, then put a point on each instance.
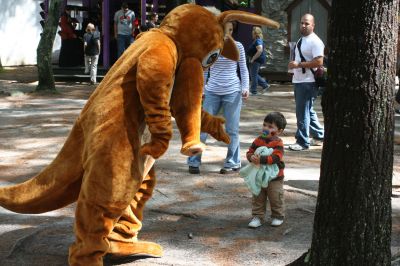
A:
(198, 219)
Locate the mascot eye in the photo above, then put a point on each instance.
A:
(210, 58)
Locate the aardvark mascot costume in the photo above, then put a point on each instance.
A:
(106, 163)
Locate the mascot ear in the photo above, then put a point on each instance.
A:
(247, 18)
(230, 49)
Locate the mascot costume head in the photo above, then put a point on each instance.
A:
(106, 163)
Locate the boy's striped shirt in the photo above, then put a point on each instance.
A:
(277, 155)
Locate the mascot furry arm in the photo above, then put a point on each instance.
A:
(106, 163)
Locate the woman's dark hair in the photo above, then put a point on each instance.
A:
(276, 118)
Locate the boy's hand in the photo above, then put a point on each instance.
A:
(255, 159)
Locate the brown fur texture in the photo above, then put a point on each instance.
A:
(106, 163)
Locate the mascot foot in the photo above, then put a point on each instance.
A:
(139, 249)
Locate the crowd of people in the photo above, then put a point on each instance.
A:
(76, 49)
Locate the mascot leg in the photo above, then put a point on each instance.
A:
(123, 239)
(107, 190)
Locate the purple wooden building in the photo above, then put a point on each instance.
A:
(101, 13)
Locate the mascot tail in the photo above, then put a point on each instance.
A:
(56, 186)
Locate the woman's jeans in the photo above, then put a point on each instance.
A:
(307, 120)
(231, 105)
(256, 79)
(123, 42)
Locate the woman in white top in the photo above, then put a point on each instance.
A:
(224, 89)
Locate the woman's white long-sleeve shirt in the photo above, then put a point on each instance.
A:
(223, 75)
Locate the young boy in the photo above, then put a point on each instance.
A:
(273, 126)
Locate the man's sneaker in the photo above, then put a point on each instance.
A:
(255, 222)
(297, 147)
(228, 170)
(276, 222)
(194, 170)
(316, 142)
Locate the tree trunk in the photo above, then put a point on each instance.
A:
(352, 223)
(45, 48)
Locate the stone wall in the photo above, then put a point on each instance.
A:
(276, 40)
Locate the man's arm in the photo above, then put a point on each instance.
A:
(316, 62)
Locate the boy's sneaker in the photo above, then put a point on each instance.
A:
(276, 222)
(255, 222)
(194, 170)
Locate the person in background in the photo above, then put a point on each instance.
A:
(258, 57)
(124, 27)
(71, 46)
(67, 25)
(91, 45)
(225, 90)
(137, 29)
(152, 23)
(305, 89)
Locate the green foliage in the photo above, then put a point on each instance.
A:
(244, 3)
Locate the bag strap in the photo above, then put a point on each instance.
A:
(302, 56)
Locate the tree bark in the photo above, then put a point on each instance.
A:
(45, 48)
(352, 224)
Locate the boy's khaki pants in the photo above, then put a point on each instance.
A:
(274, 193)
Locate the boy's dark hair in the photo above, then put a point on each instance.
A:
(124, 5)
(276, 118)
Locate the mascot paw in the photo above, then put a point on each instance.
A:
(120, 251)
(214, 125)
(221, 135)
(191, 150)
(155, 150)
(225, 138)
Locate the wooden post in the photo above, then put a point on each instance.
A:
(106, 33)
